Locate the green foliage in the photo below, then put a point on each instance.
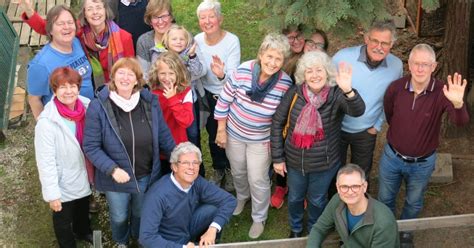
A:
(430, 5)
(340, 17)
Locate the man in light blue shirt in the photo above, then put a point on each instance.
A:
(374, 68)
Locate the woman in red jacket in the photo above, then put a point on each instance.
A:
(170, 81)
(103, 41)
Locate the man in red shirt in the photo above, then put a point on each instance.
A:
(413, 106)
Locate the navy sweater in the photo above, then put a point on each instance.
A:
(167, 211)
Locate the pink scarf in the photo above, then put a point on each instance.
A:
(309, 127)
(78, 116)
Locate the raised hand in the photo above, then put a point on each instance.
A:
(344, 77)
(192, 50)
(26, 6)
(169, 92)
(217, 66)
(454, 90)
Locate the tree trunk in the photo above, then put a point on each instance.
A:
(456, 55)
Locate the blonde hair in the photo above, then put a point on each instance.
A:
(175, 63)
(275, 41)
(133, 65)
(175, 27)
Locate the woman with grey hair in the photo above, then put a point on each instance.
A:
(221, 55)
(311, 113)
(244, 114)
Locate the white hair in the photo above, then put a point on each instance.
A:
(209, 4)
(314, 58)
(184, 148)
(423, 47)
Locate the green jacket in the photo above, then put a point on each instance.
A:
(378, 228)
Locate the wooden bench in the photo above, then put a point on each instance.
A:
(28, 37)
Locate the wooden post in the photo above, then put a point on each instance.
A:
(97, 239)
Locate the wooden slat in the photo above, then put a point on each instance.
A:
(25, 34)
(41, 9)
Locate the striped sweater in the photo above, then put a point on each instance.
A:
(248, 121)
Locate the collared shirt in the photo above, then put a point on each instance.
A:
(415, 121)
(173, 179)
(363, 58)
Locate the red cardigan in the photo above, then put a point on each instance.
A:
(38, 24)
(178, 112)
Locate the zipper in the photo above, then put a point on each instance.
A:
(120, 140)
(133, 150)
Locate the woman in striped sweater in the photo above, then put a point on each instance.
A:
(244, 113)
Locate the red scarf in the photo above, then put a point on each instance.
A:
(309, 126)
(78, 116)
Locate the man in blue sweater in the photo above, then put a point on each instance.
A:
(182, 207)
(374, 68)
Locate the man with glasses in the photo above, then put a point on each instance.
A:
(374, 68)
(360, 220)
(182, 207)
(414, 106)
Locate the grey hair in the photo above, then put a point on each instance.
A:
(184, 148)
(384, 25)
(351, 168)
(209, 4)
(423, 47)
(315, 58)
(275, 41)
(109, 14)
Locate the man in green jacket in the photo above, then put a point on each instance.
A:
(360, 220)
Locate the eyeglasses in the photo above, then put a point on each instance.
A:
(314, 45)
(163, 18)
(189, 163)
(345, 188)
(383, 44)
(421, 65)
(292, 39)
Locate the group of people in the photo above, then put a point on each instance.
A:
(128, 125)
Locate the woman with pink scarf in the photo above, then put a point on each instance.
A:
(64, 172)
(311, 112)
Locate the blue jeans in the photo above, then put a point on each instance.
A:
(202, 219)
(312, 186)
(416, 175)
(125, 210)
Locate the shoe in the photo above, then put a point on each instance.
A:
(240, 207)
(278, 197)
(296, 234)
(256, 229)
(406, 240)
(217, 177)
(93, 206)
(229, 182)
(87, 238)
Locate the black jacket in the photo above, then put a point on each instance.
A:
(323, 154)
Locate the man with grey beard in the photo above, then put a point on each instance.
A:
(373, 68)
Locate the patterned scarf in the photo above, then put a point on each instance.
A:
(78, 116)
(309, 127)
(93, 44)
(259, 90)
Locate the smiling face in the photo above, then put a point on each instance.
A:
(161, 21)
(271, 61)
(63, 29)
(95, 14)
(316, 42)
(124, 80)
(186, 170)
(67, 94)
(177, 40)
(316, 77)
(296, 40)
(166, 76)
(378, 44)
(209, 21)
(351, 188)
(421, 65)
